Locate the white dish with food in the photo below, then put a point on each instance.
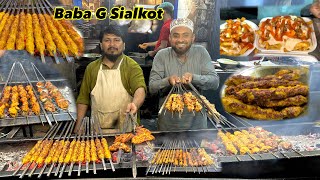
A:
(236, 49)
(287, 44)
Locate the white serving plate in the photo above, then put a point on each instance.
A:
(253, 26)
(312, 47)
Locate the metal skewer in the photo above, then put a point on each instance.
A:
(78, 139)
(161, 109)
(42, 10)
(45, 136)
(110, 160)
(65, 164)
(38, 98)
(95, 129)
(87, 135)
(59, 165)
(209, 109)
(69, 130)
(167, 159)
(57, 140)
(31, 162)
(92, 139)
(154, 156)
(56, 131)
(83, 137)
(203, 168)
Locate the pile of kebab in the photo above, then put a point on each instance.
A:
(255, 140)
(63, 152)
(18, 100)
(141, 135)
(179, 98)
(272, 97)
(179, 153)
(49, 92)
(38, 33)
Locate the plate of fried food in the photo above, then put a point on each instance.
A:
(286, 34)
(267, 92)
(237, 37)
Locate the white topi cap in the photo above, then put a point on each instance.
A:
(185, 22)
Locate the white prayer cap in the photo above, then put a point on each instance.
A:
(185, 22)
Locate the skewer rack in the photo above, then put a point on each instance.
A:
(17, 76)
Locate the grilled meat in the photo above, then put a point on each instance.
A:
(233, 105)
(263, 84)
(291, 101)
(289, 75)
(255, 95)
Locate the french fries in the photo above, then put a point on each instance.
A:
(236, 38)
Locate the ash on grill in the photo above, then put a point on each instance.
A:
(310, 142)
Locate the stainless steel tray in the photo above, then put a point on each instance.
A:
(260, 71)
(59, 115)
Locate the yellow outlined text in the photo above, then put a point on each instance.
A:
(101, 13)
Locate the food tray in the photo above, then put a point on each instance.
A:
(59, 115)
(261, 71)
(253, 26)
(312, 47)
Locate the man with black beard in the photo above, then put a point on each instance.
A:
(113, 85)
(185, 63)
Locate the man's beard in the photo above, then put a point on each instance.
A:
(181, 52)
(112, 57)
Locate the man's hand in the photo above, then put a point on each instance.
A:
(132, 108)
(187, 78)
(174, 79)
(143, 46)
(76, 129)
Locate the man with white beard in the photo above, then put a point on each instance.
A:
(183, 62)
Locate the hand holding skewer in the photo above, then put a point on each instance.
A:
(187, 78)
(132, 108)
(174, 79)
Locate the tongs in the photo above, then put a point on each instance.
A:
(130, 119)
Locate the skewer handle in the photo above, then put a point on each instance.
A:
(94, 168)
(15, 172)
(62, 170)
(57, 171)
(43, 60)
(104, 165)
(111, 164)
(70, 169)
(25, 171)
(79, 169)
(32, 171)
(87, 167)
(50, 170)
(42, 170)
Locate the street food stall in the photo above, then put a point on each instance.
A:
(263, 121)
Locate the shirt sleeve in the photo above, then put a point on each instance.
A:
(164, 35)
(158, 80)
(136, 78)
(84, 94)
(208, 79)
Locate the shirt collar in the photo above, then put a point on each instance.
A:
(116, 64)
